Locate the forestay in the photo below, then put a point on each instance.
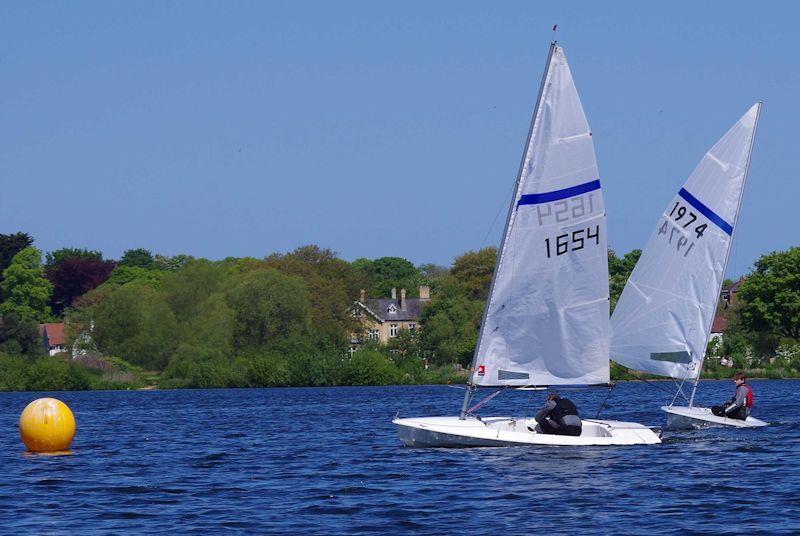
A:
(546, 321)
(663, 319)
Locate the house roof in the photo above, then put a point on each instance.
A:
(734, 287)
(379, 308)
(55, 333)
(720, 323)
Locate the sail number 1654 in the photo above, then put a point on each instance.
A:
(574, 241)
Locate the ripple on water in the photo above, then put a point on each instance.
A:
(137, 468)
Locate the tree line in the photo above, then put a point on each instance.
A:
(285, 319)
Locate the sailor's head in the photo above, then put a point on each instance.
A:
(738, 378)
(553, 395)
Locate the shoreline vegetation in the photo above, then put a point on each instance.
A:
(151, 321)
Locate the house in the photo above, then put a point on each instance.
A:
(383, 318)
(53, 337)
(728, 294)
(720, 323)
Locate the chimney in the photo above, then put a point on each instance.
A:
(424, 292)
(402, 299)
(363, 296)
(394, 293)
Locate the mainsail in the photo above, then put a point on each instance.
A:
(663, 319)
(546, 321)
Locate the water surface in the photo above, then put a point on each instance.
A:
(328, 461)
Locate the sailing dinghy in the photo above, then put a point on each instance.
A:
(546, 322)
(662, 322)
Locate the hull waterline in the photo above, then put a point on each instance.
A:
(508, 431)
(684, 417)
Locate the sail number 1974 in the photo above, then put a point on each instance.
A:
(574, 241)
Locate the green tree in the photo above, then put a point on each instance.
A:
(53, 258)
(168, 264)
(129, 274)
(26, 290)
(19, 336)
(135, 323)
(140, 258)
(186, 288)
(386, 273)
(10, 245)
(332, 284)
(267, 306)
(472, 272)
(619, 270)
(769, 298)
(370, 367)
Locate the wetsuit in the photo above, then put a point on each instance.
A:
(559, 416)
(738, 407)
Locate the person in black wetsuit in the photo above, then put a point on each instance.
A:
(558, 416)
(740, 404)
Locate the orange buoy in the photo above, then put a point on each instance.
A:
(46, 425)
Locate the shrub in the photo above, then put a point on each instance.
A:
(267, 371)
(55, 374)
(13, 375)
(368, 367)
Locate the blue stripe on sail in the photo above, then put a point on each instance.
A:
(707, 212)
(572, 191)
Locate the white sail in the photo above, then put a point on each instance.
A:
(662, 321)
(546, 320)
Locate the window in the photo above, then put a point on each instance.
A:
(391, 309)
(357, 312)
(373, 334)
(393, 330)
(412, 326)
(352, 350)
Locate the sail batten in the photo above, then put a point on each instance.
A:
(546, 320)
(662, 321)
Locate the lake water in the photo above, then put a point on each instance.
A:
(328, 461)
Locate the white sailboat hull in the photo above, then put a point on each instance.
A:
(507, 432)
(684, 417)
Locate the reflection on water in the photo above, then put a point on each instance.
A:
(329, 461)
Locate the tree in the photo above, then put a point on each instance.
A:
(168, 264)
(19, 336)
(10, 245)
(74, 276)
(332, 284)
(25, 288)
(135, 323)
(386, 273)
(54, 258)
(267, 306)
(769, 298)
(472, 272)
(138, 258)
(619, 270)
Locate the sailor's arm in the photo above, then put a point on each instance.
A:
(739, 399)
(541, 415)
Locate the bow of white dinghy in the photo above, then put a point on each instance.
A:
(685, 417)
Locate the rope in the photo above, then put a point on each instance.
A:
(603, 405)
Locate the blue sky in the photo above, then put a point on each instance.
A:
(245, 128)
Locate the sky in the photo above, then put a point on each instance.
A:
(375, 129)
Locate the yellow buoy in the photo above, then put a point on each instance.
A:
(46, 425)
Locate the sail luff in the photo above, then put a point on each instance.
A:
(509, 215)
(663, 319)
(730, 246)
(546, 317)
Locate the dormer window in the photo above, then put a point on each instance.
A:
(391, 309)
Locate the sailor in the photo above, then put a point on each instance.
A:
(740, 404)
(558, 416)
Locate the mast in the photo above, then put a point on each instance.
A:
(728, 253)
(468, 390)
